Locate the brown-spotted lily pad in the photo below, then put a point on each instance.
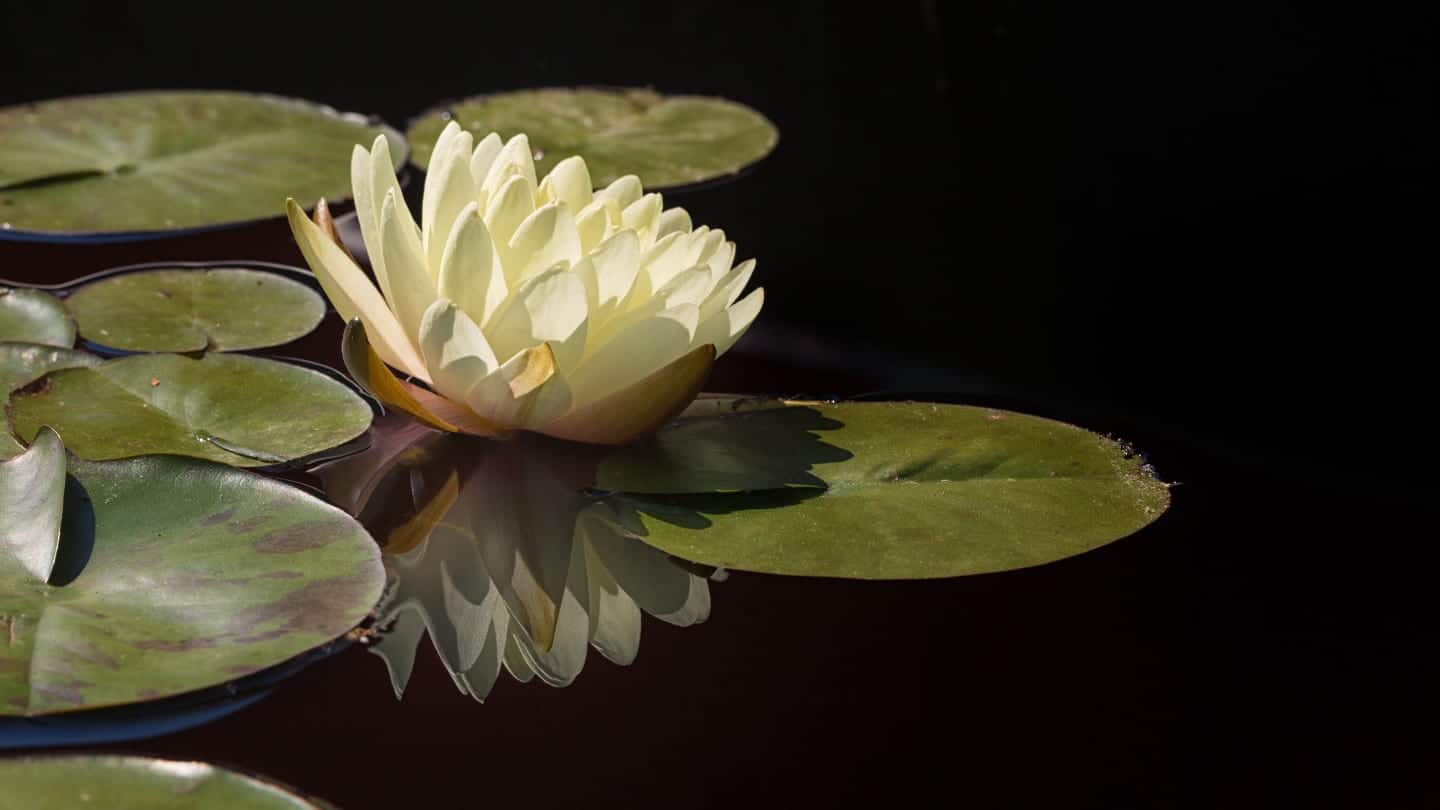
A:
(193, 309)
(137, 783)
(666, 140)
(922, 490)
(157, 163)
(176, 574)
(23, 363)
(235, 409)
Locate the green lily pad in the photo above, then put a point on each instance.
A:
(32, 497)
(34, 316)
(187, 310)
(132, 783)
(152, 163)
(927, 491)
(23, 363)
(666, 140)
(238, 410)
(180, 574)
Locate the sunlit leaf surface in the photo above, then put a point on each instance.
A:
(32, 496)
(922, 491)
(136, 783)
(34, 316)
(175, 574)
(195, 309)
(235, 409)
(23, 363)
(157, 162)
(666, 140)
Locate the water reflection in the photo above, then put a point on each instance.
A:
(505, 556)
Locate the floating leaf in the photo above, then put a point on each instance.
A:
(34, 316)
(180, 574)
(666, 140)
(235, 409)
(927, 491)
(133, 783)
(150, 164)
(188, 310)
(32, 496)
(23, 363)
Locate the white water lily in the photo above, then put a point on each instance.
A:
(533, 304)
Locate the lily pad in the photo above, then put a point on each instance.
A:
(23, 363)
(187, 310)
(238, 410)
(181, 574)
(126, 783)
(927, 491)
(155, 163)
(34, 316)
(666, 140)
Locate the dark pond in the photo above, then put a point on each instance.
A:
(1140, 212)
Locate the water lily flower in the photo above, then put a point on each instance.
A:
(524, 303)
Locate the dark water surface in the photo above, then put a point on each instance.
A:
(1227, 647)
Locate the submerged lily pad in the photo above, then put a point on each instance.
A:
(138, 164)
(666, 140)
(132, 783)
(23, 363)
(34, 316)
(187, 310)
(238, 410)
(925, 491)
(179, 574)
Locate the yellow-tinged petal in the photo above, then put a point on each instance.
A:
(728, 289)
(635, 351)
(510, 392)
(410, 282)
(470, 273)
(509, 206)
(480, 162)
(568, 183)
(622, 192)
(410, 534)
(514, 158)
(593, 225)
(367, 211)
(674, 220)
(549, 307)
(352, 294)
(448, 190)
(641, 408)
(546, 238)
(455, 350)
(726, 326)
(617, 261)
(642, 215)
(366, 367)
(383, 186)
(723, 257)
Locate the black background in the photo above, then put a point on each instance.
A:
(1209, 230)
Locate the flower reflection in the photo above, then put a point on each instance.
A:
(500, 552)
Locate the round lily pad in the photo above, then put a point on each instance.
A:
(666, 140)
(922, 491)
(34, 316)
(23, 363)
(179, 574)
(187, 310)
(144, 164)
(133, 783)
(235, 409)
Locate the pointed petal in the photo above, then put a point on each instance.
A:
(367, 211)
(723, 328)
(470, 272)
(568, 183)
(723, 257)
(508, 394)
(622, 192)
(455, 350)
(642, 215)
(509, 206)
(432, 409)
(548, 307)
(514, 159)
(352, 294)
(659, 586)
(617, 261)
(675, 220)
(640, 409)
(410, 282)
(384, 184)
(614, 616)
(448, 190)
(636, 351)
(545, 238)
(398, 647)
(593, 225)
(729, 288)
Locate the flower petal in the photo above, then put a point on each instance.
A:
(410, 283)
(634, 352)
(642, 215)
(726, 326)
(509, 393)
(549, 307)
(352, 294)
(544, 239)
(622, 192)
(568, 183)
(641, 408)
(470, 273)
(727, 290)
(614, 616)
(514, 159)
(455, 350)
(617, 261)
(383, 185)
(593, 225)
(480, 162)
(448, 190)
(674, 220)
(509, 206)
